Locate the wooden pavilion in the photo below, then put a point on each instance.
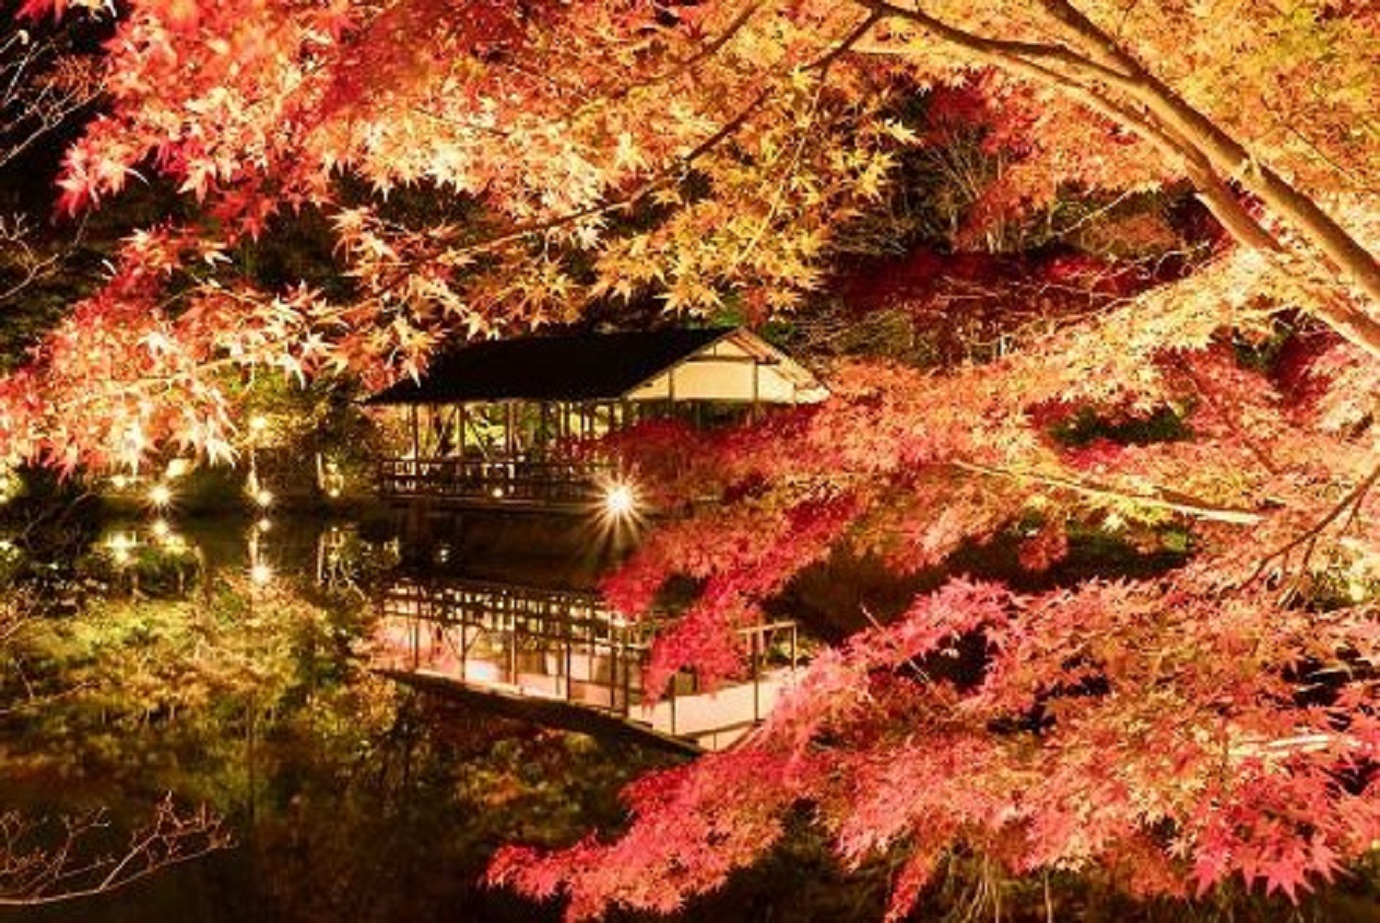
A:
(490, 424)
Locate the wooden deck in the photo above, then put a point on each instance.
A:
(494, 484)
(563, 648)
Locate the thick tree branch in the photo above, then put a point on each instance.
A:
(1176, 127)
(1231, 158)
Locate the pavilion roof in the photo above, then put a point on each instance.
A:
(572, 367)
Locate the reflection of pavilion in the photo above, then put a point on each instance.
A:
(566, 658)
(491, 424)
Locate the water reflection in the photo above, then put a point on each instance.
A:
(235, 663)
(565, 646)
(227, 663)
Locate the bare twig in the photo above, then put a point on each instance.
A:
(32, 875)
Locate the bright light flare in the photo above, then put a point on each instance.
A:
(264, 498)
(160, 495)
(618, 506)
(620, 501)
(261, 574)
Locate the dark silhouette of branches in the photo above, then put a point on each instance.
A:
(52, 860)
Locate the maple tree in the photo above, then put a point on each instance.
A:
(1215, 720)
(45, 85)
(746, 136)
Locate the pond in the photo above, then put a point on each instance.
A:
(232, 664)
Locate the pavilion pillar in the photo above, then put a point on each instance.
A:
(756, 389)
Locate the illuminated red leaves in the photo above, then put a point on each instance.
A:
(743, 563)
(692, 827)
(1115, 730)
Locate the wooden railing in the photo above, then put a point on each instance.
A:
(497, 482)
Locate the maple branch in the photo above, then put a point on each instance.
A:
(32, 877)
(707, 51)
(1177, 127)
(1232, 158)
(676, 171)
(1163, 499)
(1350, 501)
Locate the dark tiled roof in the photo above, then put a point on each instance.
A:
(576, 367)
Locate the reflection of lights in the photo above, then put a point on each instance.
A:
(11, 484)
(263, 525)
(333, 480)
(120, 545)
(263, 497)
(497, 493)
(261, 574)
(121, 541)
(160, 528)
(160, 495)
(619, 501)
(178, 467)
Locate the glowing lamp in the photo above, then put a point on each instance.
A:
(261, 574)
(160, 528)
(160, 495)
(263, 497)
(619, 501)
